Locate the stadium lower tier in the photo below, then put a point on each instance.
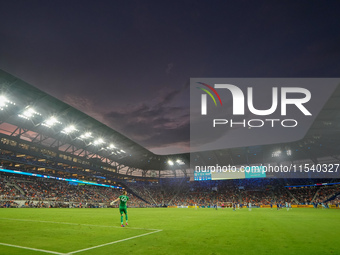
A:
(28, 191)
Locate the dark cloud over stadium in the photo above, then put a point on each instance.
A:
(128, 64)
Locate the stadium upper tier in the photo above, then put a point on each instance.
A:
(31, 115)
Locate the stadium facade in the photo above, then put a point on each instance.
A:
(45, 137)
(42, 130)
(50, 135)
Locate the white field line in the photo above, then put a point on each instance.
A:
(86, 249)
(77, 224)
(105, 244)
(33, 249)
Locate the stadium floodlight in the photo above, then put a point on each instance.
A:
(111, 146)
(86, 135)
(98, 141)
(28, 113)
(276, 154)
(4, 102)
(69, 129)
(289, 152)
(180, 162)
(50, 122)
(122, 151)
(170, 162)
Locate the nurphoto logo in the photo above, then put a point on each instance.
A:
(280, 98)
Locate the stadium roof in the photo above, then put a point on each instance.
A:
(44, 119)
(49, 121)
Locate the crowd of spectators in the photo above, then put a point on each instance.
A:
(40, 192)
(8, 191)
(44, 192)
(158, 194)
(327, 191)
(304, 195)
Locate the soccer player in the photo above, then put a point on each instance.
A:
(122, 207)
(249, 206)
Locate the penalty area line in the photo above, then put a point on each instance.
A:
(105, 244)
(33, 249)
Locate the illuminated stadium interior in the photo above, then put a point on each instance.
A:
(42, 127)
(35, 123)
(43, 136)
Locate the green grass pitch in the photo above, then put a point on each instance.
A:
(169, 231)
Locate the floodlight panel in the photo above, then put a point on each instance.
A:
(50, 122)
(98, 141)
(28, 113)
(4, 102)
(69, 129)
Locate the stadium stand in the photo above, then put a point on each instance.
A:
(72, 145)
(17, 190)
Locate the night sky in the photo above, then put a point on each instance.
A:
(128, 63)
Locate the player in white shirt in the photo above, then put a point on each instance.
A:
(249, 206)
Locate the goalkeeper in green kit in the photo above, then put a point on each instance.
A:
(122, 207)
